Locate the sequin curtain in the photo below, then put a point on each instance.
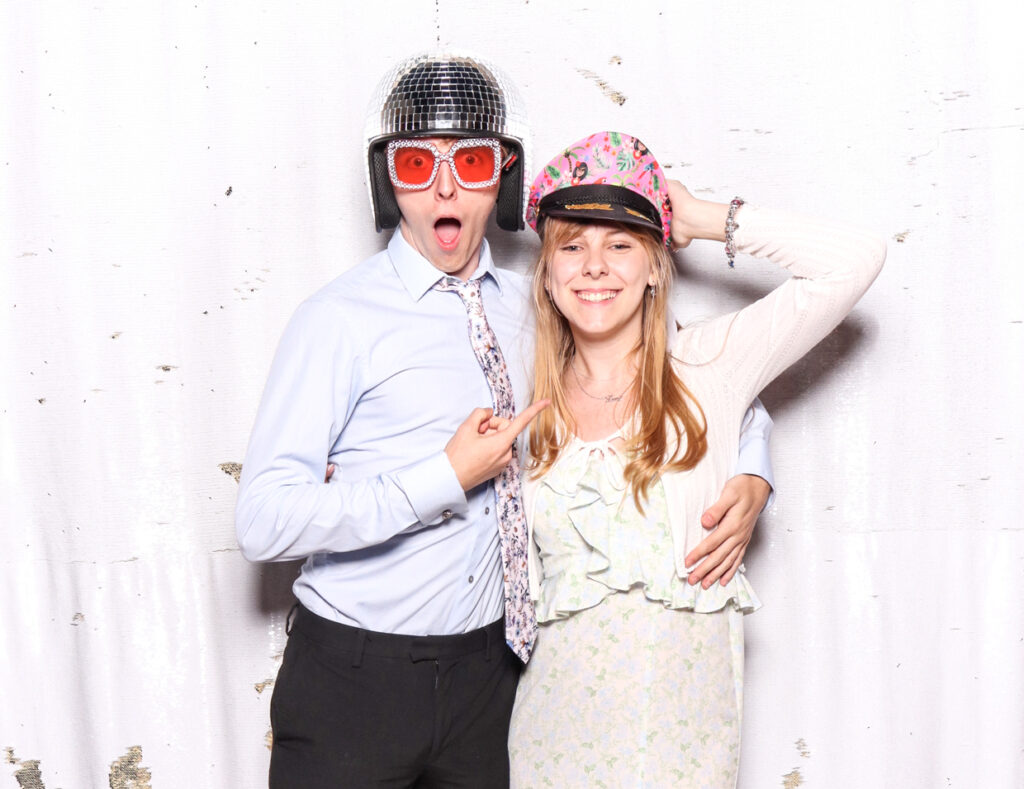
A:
(176, 177)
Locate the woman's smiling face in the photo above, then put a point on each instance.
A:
(597, 280)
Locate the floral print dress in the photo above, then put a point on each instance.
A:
(626, 688)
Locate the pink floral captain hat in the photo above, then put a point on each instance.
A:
(608, 175)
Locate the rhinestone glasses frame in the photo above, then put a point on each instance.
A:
(448, 156)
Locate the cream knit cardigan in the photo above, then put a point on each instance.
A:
(726, 361)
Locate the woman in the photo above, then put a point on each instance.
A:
(637, 675)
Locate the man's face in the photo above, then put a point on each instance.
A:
(446, 222)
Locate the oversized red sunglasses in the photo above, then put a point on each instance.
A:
(475, 164)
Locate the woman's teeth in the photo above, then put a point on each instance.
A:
(604, 295)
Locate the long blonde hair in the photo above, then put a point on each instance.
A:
(670, 430)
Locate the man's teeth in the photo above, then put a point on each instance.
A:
(602, 296)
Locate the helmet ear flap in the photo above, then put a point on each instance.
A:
(385, 207)
(510, 196)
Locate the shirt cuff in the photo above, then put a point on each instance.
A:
(433, 489)
(757, 463)
(763, 473)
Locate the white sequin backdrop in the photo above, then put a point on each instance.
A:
(177, 176)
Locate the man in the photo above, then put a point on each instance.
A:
(396, 671)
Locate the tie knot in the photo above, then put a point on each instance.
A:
(468, 290)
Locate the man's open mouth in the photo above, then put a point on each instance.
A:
(447, 230)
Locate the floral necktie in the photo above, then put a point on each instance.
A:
(520, 618)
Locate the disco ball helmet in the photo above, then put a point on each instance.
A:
(443, 95)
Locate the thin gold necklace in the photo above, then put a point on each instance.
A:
(606, 398)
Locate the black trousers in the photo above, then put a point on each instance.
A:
(355, 708)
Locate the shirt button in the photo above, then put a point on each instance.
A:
(487, 510)
(446, 515)
(471, 579)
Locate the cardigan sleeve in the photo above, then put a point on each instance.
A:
(832, 266)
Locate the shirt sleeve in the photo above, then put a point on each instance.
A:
(284, 508)
(754, 455)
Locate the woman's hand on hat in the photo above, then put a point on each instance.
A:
(693, 218)
(680, 197)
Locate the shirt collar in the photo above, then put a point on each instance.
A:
(419, 275)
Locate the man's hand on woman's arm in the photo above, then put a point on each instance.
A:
(732, 519)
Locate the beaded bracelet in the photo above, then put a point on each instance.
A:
(730, 228)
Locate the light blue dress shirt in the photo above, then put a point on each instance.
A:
(374, 373)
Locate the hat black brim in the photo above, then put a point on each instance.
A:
(601, 202)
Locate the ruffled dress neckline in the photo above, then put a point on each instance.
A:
(593, 541)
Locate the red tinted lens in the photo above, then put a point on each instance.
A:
(414, 165)
(475, 164)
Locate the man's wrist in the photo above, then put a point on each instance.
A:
(433, 489)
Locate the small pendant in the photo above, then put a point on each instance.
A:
(612, 398)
